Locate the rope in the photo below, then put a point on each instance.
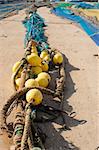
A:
(26, 128)
(19, 118)
(19, 127)
(16, 96)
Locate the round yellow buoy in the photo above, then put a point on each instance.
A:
(43, 82)
(58, 58)
(34, 50)
(36, 70)
(44, 75)
(34, 59)
(15, 66)
(18, 82)
(34, 96)
(31, 82)
(44, 66)
(47, 58)
(43, 54)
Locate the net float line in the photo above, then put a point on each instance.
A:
(25, 135)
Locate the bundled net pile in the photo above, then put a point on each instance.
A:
(86, 18)
(34, 28)
(31, 79)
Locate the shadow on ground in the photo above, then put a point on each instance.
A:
(54, 140)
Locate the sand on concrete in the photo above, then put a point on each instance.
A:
(82, 78)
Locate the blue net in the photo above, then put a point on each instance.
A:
(86, 25)
(35, 29)
(84, 5)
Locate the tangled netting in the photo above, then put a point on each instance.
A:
(35, 29)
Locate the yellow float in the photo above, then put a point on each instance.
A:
(45, 75)
(31, 83)
(58, 58)
(34, 96)
(34, 59)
